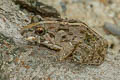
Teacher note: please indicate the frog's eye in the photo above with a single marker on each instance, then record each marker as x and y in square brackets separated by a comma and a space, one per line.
[40, 31]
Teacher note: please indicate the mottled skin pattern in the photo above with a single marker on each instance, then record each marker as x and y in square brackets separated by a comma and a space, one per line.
[71, 40]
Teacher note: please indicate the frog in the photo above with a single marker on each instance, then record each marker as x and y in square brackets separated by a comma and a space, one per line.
[71, 40]
[68, 38]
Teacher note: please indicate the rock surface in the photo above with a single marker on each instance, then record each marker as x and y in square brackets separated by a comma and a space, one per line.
[26, 63]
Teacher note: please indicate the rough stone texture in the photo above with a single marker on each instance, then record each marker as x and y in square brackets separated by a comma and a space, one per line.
[29, 64]
[11, 20]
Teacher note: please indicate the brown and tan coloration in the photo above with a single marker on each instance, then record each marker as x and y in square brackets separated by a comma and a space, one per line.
[70, 39]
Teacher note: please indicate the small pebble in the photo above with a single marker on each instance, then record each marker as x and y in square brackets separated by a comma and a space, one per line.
[117, 57]
[63, 6]
[112, 28]
[112, 41]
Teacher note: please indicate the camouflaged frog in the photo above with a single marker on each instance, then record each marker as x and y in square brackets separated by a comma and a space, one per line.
[70, 39]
